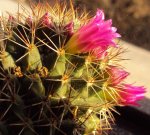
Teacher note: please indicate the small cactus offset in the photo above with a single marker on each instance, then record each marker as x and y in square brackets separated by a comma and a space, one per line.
[60, 73]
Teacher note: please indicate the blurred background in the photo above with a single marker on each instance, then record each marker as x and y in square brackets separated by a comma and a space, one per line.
[132, 18]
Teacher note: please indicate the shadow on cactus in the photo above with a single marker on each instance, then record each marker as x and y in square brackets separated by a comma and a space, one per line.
[60, 73]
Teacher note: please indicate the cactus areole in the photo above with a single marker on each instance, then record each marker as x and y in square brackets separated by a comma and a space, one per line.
[60, 72]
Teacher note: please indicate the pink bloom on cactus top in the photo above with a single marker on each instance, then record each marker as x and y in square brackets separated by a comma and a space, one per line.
[46, 19]
[97, 34]
[131, 94]
[128, 93]
[69, 27]
[29, 21]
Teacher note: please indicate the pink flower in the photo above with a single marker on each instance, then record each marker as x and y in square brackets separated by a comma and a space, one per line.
[117, 75]
[11, 18]
[69, 27]
[97, 34]
[29, 21]
[130, 94]
[46, 20]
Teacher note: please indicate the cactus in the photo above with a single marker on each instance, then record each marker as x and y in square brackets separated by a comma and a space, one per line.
[59, 73]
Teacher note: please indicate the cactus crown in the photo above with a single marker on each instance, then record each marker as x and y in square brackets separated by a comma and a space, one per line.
[52, 80]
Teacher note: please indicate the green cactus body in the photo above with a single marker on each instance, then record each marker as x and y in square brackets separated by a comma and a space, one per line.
[7, 61]
[33, 59]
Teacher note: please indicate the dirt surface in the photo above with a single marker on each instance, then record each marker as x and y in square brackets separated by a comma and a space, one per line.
[131, 17]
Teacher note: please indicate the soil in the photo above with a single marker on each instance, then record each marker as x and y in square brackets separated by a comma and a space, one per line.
[131, 17]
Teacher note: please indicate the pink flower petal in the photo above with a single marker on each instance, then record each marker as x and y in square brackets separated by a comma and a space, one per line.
[131, 94]
[117, 75]
[46, 19]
